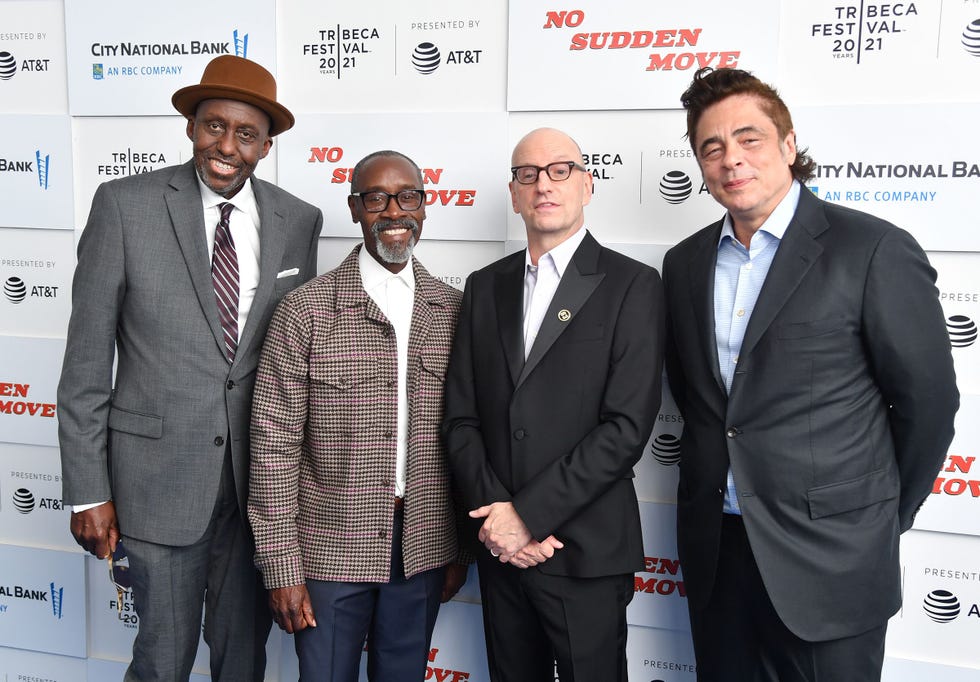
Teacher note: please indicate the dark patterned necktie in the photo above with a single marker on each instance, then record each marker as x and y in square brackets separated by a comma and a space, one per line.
[224, 273]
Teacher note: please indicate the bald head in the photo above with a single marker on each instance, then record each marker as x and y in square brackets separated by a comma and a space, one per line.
[549, 139]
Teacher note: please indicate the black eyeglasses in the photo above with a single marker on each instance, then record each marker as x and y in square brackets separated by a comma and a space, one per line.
[377, 201]
[557, 171]
[119, 573]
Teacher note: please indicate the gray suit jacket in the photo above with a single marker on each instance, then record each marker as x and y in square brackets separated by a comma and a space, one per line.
[838, 418]
[154, 441]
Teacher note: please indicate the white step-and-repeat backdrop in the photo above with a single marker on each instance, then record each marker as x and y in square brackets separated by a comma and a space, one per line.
[885, 94]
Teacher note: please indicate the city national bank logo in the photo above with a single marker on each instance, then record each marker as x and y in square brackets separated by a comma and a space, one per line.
[957, 482]
[13, 401]
[962, 331]
[41, 163]
[430, 176]
[16, 290]
[426, 58]
[663, 586]
[238, 45]
[677, 46]
[437, 674]
[970, 41]
[941, 606]
[864, 29]
[54, 596]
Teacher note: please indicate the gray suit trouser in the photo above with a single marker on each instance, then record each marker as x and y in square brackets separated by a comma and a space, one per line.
[170, 586]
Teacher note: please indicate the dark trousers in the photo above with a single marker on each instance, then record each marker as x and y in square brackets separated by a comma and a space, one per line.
[739, 635]
[533, 621]
[396, 618]
[172, 584]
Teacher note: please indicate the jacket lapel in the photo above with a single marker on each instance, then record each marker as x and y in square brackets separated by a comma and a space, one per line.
[577, 285]
[422, 315]
[509, 299]
[272, 243]
[187, 216]
[797, 253]
[701, 276]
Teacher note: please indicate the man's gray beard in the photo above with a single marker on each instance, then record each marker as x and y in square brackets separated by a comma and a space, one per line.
[394, 255]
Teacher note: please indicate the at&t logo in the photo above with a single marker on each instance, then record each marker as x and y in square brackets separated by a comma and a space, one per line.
[676, 187]
[15, 290]
[24, 500]
[962, 331]
[971, 39]
[666, 449]
[426, 58]
[8, 66]
[942, 606]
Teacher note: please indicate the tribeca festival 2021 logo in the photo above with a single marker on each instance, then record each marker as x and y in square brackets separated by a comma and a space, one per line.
[340, 49]
[676, 47]
[853, 31]
[238, 46]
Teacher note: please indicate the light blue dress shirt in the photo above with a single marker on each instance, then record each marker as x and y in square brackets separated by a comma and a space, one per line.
[739, 275]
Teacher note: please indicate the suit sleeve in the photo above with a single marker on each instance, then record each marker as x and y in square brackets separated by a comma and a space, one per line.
[85, 387]
[630, 404]
[309, 271]
[473, 476]
[910, 355]
[279, 408]
[672, 361]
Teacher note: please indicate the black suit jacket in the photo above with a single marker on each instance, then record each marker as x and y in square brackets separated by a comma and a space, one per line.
[558, 435]
[839, 415]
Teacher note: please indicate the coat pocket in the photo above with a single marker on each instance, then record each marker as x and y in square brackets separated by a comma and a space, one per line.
[136, 423]
[857, 493]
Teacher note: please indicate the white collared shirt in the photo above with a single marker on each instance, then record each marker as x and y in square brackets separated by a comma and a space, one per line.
[244, 224]
[394, 294]
[541, 282]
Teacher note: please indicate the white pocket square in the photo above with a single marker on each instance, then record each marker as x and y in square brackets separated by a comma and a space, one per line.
[288, 273]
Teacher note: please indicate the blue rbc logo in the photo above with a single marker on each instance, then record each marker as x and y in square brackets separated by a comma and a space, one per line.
[98, 73]
[42, 168]
[241, 44]
[57, 594]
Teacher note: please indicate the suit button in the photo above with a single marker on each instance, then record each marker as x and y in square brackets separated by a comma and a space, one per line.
[219, 441]
[392, 383]
[383, 534]
[731, 432]
[519, 434]
[230, 385]
[389, 434]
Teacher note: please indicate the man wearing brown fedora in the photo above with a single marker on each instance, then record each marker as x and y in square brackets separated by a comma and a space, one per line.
[178, 274]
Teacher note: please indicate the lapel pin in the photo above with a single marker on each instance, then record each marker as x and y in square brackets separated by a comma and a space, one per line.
[564, 315]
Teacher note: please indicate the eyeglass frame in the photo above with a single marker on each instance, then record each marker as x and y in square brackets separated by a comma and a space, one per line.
[418, 192]
[572, 165]
[120, 588]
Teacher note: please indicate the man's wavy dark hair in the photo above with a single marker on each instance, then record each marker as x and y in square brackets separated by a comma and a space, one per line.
[711, 86]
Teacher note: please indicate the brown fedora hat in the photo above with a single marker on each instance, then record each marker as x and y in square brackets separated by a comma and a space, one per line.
[230, 77]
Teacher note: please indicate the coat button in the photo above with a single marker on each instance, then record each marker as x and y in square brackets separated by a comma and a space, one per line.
[230, 385]
[731, 432]
[219, 441]
[382, 534]
[519, 434]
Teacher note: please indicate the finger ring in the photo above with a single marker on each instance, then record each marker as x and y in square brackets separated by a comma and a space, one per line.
[492, 553]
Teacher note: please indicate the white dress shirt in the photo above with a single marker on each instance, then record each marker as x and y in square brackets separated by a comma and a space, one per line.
[541, 282]
[395, 296]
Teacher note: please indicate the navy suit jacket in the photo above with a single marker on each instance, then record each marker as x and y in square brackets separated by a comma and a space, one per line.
[838, 418]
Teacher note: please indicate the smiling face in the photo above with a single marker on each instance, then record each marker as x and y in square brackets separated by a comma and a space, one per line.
[391, 235]
[744, 160]
[552, 211]
[230, 138]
